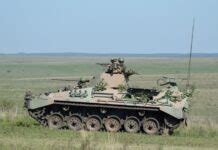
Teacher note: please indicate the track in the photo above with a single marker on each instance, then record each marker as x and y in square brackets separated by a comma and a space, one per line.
[99, 118]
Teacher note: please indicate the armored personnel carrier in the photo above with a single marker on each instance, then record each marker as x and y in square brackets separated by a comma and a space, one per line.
[111, 104]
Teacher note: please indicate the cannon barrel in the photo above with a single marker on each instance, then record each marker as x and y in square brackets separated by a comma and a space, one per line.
[103, 64]
[86, 79]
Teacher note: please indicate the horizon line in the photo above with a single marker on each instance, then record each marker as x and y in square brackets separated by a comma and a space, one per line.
[107, 53]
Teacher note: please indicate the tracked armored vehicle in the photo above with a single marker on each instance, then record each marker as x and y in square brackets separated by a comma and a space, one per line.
[111, 104]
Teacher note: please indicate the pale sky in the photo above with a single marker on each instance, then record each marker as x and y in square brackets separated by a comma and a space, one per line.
[108, 26]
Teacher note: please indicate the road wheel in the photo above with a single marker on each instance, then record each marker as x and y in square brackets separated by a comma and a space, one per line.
[112, 124]
[131, 125]
[75, 123]
[55, 121]
[150, 126]
[93, 124]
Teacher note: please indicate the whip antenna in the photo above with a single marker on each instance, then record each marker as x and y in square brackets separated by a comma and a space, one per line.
[190, 55]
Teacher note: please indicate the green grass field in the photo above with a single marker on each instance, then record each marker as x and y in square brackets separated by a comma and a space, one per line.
[21, 73]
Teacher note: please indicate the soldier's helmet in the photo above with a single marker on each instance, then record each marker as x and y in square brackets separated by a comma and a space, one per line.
[113, 60]
[82, 79]
[166, 81]
[121, 60]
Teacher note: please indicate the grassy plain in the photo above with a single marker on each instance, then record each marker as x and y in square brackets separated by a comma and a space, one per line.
[21, 73]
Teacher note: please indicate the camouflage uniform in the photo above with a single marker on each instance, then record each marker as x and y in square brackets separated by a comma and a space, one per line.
[171, 92]
[121, 65]
[111, 66]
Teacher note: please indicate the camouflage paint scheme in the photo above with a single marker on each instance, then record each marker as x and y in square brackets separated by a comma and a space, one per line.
[174, 109]
[170, 103]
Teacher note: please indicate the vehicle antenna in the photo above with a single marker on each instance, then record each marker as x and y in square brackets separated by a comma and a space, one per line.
[190, 56]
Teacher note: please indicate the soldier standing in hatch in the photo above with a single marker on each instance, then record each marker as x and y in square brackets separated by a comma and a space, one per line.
[112, 67]
[116, 67]
[171, 91]
[121, 67]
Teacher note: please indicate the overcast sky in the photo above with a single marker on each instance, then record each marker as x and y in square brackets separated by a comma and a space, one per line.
[104, 26]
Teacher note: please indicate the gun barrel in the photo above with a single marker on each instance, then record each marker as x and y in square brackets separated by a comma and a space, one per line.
[87, 79]
[65, 79]
[103, 64]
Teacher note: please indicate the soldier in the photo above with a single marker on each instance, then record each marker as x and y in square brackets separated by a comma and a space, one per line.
[171, 92]
[112, 68]
[82, 83]
[121, 66]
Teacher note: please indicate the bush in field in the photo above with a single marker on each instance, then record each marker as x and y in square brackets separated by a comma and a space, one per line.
[6, 105]
[8, 111]
[122, 88]
[25, 122]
